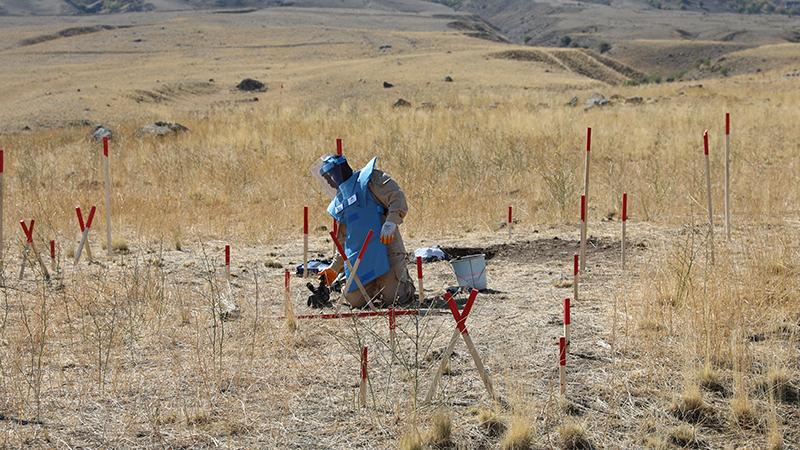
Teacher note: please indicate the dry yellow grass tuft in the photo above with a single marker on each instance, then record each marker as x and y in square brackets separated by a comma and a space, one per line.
[710, 379]
[411, 440]
[440, 433]
[518, 436]
[491, 421]
[691, 407]
[683, 436]
[572, 436]
[775, 437]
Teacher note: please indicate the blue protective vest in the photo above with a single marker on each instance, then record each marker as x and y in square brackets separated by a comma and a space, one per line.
[356, 208]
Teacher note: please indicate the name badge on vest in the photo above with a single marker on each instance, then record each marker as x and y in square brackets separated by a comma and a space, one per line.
[339, 208]
[352, 199]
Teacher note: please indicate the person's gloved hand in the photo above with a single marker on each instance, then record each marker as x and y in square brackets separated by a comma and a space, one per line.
[329, 275]
[387, 232]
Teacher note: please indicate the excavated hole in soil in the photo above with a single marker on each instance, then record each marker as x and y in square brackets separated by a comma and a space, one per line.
[536, 251]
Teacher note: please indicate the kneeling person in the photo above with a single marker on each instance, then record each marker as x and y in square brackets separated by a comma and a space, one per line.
[362, 201]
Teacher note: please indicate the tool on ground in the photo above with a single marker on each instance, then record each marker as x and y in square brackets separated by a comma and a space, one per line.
[320, 296]
[461, 329]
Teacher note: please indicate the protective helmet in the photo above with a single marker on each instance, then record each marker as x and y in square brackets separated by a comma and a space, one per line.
[331, 171]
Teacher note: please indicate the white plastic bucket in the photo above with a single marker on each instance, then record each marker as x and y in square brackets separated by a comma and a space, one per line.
[470, 271]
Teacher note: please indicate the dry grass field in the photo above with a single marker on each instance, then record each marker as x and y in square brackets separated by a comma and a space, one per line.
[133, 351]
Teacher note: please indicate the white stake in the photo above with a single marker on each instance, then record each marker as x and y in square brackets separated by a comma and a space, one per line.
[728, 176]
[2, 216]
[583, 233]
[624, 220]
[708, 195]
[421, 292]
[575, 276]
[228, 262]
[53, 256]
[562, 364]
[85, 228]
[107, 171]
[567, 321]
[305, 242]
[510, 222]
[28, 230]
[362, 388]
[585, 202]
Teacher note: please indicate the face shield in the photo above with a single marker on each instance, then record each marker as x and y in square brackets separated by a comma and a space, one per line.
[330, 171]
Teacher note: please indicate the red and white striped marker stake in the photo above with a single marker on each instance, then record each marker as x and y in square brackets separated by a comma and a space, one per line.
[53, 256]
[585, 201]
[562, 364]
[353, 268]
[510, 221]
[708, 194]
[305, 242]
[583, 233]
[339, 150]
[288, 308]
[567, 320]
[575, 276]
[728, 176]
[624, 221]
[228, 262]
[421, 293]
[107, 171]
[392, 331]
[461, 329]
[2, 189]
[85, 227]
[31, 246]
[362, 387]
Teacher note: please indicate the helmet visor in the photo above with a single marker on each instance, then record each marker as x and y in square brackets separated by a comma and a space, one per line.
[330, 171]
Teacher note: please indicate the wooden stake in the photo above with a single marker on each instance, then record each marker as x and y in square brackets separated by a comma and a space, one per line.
[421, 293]
[85, 227]
[583, 233]
[29, 243]
[228, 262]
[2, 216]
[624, 220]
[575, 276]
[562, 364]
[585, 202]
[708, 195]
[53, 256]
[510, 221]
[362, 389]
[461, 329]
[305, 242]
[392, 332]
[288, 308]
[107, 171]
[728, 176]
[567, 321]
